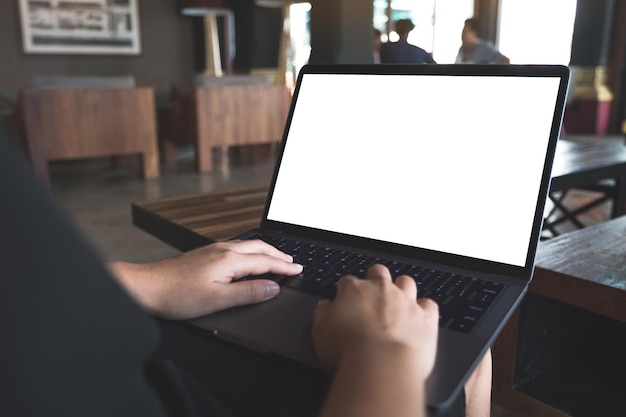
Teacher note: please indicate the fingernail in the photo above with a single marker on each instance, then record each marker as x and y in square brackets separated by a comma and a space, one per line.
[271, 289]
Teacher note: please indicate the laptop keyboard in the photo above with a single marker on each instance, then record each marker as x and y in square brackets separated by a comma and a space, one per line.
[462, 299]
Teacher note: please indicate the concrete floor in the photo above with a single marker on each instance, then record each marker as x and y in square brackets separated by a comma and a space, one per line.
[97, 197]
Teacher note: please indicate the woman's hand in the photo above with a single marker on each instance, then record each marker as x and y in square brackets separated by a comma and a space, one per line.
[202, 281]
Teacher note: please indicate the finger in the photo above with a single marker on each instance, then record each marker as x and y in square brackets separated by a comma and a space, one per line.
[257, 246]
[407, 285]
[243, 265]
[345, 280]
[430, 306]
[244, 292]
[378, 272]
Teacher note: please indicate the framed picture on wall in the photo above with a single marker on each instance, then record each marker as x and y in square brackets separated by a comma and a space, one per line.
[107, 27]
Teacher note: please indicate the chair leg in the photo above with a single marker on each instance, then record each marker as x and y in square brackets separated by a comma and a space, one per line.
[150, 165]
[204, 158]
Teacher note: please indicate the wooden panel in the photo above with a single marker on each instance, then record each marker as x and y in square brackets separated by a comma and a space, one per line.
[238, 115]
[503, 390]
[82, 123]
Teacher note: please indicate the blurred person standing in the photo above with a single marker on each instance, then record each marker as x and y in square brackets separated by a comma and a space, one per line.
[475, 50]
[402, 52]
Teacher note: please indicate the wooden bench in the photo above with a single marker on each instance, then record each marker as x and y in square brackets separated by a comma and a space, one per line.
[88, 122]
[223, 112]
[563, 353]
[238, 115]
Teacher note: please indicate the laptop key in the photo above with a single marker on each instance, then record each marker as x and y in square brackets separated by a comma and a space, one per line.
[461, 325]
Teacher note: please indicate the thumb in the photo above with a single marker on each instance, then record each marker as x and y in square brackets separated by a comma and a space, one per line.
[246, 292]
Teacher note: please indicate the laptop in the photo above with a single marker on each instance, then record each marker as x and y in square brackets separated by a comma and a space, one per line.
[439, 172]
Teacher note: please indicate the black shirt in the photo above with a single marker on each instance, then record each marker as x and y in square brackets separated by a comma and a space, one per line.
[402, 52]
[73, 342]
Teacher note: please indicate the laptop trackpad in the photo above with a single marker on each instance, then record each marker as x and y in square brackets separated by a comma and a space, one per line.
[281, 325]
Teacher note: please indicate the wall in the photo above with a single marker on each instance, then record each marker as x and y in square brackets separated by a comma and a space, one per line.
[167, 52]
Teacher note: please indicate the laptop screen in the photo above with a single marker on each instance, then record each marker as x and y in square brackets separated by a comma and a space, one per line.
[440, 162]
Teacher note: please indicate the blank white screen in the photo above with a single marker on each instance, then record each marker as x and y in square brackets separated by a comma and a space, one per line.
[447, 163]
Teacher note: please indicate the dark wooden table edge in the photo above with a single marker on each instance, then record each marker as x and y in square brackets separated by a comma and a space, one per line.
[587, 177]
[175, 235]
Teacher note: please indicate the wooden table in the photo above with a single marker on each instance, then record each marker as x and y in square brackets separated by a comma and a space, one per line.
[582, 163]
[580, 160]
[563, 351]
[195, 220]
[191, 221]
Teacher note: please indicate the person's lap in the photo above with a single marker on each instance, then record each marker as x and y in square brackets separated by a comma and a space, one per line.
[251, 384]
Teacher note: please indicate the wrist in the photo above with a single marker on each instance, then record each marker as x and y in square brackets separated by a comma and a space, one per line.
[389, 353]
[134, 278]
[378, 379]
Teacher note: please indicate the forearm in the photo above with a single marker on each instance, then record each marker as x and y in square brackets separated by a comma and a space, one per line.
[377, 382]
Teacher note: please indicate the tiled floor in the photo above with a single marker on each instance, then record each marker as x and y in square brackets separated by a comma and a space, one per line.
[97, 198]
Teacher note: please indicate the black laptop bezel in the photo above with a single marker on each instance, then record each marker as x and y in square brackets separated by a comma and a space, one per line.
[478, 265]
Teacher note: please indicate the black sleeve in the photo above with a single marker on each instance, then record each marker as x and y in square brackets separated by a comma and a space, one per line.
[73, 342]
